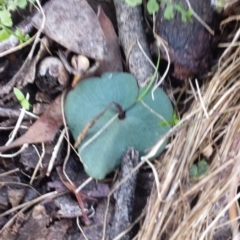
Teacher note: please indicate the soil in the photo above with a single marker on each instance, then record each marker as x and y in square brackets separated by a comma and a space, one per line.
[39, 200]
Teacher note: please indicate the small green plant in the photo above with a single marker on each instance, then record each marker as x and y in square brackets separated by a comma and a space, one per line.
[199, 169]
[218, 5]
[174, 121]
[6, 23]
[21, 98]
[170, 8]
[150, 84]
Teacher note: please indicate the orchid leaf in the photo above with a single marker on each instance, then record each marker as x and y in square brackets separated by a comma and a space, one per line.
[107, 140]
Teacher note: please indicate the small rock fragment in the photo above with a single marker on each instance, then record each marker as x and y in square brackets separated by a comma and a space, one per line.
[52, 77]
[15, 196]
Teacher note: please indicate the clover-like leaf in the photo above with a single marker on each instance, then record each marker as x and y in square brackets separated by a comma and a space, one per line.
[199, 169]
[5, 18]
[193, 171]
[111, 135]
[11, 6]
[203, 166]
[152, 6]
[133, 3]
[4, 35]
[186, 15]
[168, 12]
[21, 3]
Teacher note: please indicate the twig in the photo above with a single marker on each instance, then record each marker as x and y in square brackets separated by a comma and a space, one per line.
[125, 195]
[55, 152]
[81, 230]
[201, 100]
[83, 184]
[160, 42]
[67, 138]
[9, 172]
[27, 205]
[38, 164]
[199, 19]
[11, 113]
[130, 31]
[24, 146]
[14, 132]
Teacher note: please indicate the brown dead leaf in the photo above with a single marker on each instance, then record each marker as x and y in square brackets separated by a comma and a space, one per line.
[74, 25]
[44, 129]
[15, 196]
[112, 61]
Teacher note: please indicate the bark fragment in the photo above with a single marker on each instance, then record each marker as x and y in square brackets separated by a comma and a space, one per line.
[125, 196]
[130, 31]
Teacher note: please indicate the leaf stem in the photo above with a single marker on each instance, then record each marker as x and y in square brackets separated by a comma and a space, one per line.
[144, 93]
[121, 112]
[11, 32]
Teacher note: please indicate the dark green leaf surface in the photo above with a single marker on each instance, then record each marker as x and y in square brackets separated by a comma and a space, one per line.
[102, 150]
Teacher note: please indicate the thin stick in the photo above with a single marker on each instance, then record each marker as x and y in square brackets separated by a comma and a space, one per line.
[199, 19]
[67, 137]
[38, 164]
[214, 221]
[89, 125]
[55, 152]
[86, 182]
[24, 146]
[32, 202]
[9, 172]
[39, 31]
[81, 230]
[27, 205]
[161, 43]
[14, 132]
[201, 100]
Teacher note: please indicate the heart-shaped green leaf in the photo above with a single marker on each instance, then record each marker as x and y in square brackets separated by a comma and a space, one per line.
[106, 141]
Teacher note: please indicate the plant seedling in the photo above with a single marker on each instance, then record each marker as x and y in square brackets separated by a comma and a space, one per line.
[199, 169]
[108, 108]
[133, 3]
[170, 8]
[6, 23]
[21, 98]
[174, 121]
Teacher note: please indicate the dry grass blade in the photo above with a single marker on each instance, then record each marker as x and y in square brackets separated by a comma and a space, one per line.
[85, 130]
[190, 208]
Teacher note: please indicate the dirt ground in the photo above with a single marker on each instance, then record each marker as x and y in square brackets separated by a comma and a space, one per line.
[47, 192]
